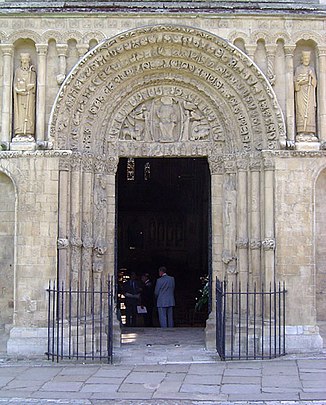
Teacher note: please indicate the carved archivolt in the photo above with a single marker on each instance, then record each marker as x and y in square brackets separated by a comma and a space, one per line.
[24, 34]
[166, 90]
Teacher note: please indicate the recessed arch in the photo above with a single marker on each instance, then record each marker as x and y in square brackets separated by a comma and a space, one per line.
[218, 86]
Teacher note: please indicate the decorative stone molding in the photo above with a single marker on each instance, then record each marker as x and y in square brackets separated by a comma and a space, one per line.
[62, 243]
[210, 85]
[268, 244]
[242, 243]
[230, 261]
[255, 244]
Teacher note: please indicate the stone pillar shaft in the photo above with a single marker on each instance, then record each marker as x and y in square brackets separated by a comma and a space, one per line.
[75, 226]
[268, 243]
[41, 50]
[255, 228]
[321, 102]
[290, 114]
[62, 55]
[7, 52]
[63, 225]
[242, 225]
[87, 227]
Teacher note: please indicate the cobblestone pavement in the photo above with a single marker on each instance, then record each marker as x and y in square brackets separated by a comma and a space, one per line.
[285, 381]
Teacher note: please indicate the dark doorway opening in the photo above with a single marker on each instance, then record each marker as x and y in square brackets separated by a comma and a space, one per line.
[163, 218]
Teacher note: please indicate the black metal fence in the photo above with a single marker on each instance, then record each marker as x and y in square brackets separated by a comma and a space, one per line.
[250, 324]
[80, 322]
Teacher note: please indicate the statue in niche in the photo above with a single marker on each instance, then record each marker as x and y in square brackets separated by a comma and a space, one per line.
[24, 99]
[305, 83]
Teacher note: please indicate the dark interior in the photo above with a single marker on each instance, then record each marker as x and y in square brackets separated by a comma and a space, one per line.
[163, 219]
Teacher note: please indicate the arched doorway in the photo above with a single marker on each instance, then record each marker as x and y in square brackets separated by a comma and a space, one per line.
[7, 232]
[166, 92]
[163, 219]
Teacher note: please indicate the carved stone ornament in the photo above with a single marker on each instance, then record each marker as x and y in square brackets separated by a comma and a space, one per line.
[242, 243]
[255, 244]
[269, 244]
[166, 91]
[62, 243]
[230, 261]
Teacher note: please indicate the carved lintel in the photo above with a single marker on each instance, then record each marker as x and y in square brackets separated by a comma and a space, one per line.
[269, 244]
[242, 243]
[62, 243]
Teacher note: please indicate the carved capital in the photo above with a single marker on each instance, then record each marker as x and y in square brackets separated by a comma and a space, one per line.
[242, 165]
[7, 49]
[216, 164]
[62, 243]
[289, 50]
[41, 49]
[255, 165]
[82, 49]
[62, 49]
[321, 51]
[230, 166]
[269, 244]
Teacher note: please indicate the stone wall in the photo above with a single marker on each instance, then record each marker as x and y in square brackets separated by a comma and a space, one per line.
[36, 200]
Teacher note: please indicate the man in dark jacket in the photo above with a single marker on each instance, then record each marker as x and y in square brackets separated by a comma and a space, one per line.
[131, 290]
[164, 293]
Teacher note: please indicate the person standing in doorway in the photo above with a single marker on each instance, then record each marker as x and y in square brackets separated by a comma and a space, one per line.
[131, 290]
[147, 299]
[164, 293]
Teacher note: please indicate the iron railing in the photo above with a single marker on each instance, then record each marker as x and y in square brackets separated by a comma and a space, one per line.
[80, 322]
[250, 324]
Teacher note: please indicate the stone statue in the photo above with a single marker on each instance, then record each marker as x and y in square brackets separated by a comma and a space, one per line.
[24, 99]
[305, 83]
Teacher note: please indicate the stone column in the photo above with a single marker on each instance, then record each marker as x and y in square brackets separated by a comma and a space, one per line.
[217, 245]
[6, 121]
[251, 49]
[290, 115]
[270, 52]
[63, 241]
[268, 244]
[321, 94]
[229, 255]
[41, 50]
[62, 50]
[242, 223]
[75, 222]
[255, 223]
[87, 221]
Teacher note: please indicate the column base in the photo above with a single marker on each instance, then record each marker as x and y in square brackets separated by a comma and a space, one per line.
[303, 339]
[27, 341]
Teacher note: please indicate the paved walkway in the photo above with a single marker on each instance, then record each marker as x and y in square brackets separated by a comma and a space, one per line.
[173, 378]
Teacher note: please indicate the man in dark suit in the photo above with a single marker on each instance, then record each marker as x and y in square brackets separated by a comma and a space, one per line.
[131, 290]
[164, 293]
